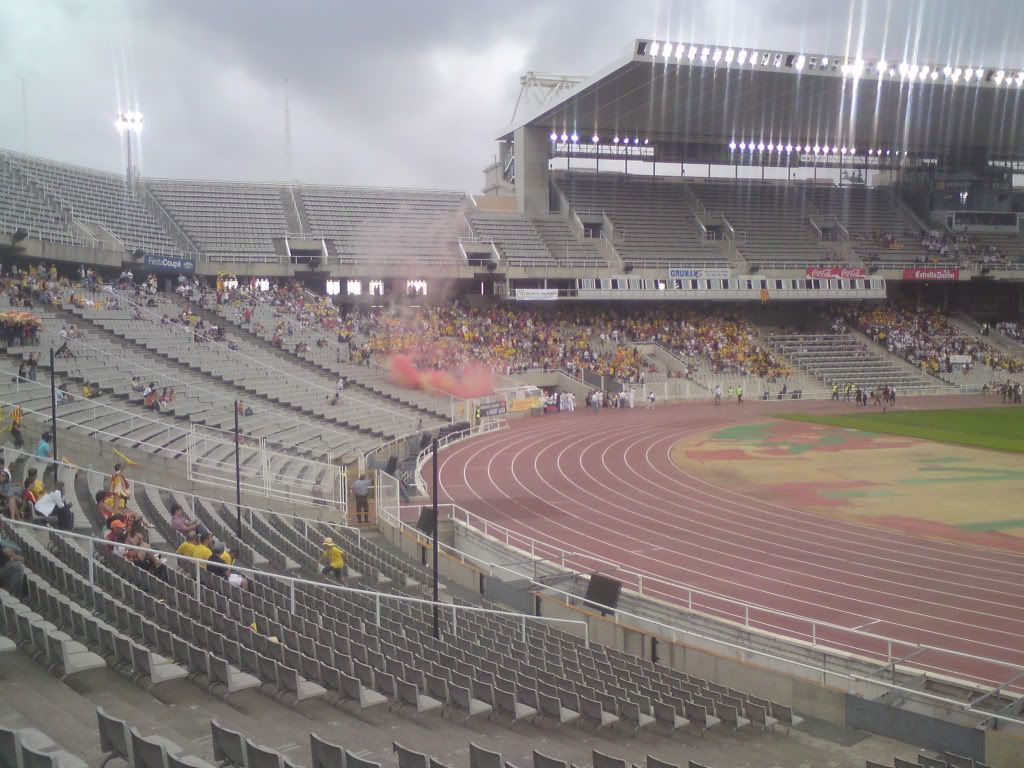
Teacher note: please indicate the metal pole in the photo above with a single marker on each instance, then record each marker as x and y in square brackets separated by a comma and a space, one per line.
[53, 413]
[437, 526]
[238, 477]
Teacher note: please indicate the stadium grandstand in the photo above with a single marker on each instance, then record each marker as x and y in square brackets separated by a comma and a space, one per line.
[293, 473]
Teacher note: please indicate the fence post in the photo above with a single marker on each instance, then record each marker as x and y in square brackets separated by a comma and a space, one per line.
[92, 570]
[455, 620]
[196, 564]
[640, 584]
[376, 607]
[523, 638]
[814, 633]
[888, 651]
[689, 599]
[746, 615]
[292, 595]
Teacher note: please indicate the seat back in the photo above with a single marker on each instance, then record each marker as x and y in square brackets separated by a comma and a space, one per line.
[324, 754]
[601, 760]
[407, 758]
[10, 746]
[351, 761]
[653, 762]
[32, 759]
[228, 745]
[145, 753]
[261, 757]
[543, 761]
[483, 758]
[113, 735]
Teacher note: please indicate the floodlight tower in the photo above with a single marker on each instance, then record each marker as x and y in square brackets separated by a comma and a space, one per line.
[129, 124]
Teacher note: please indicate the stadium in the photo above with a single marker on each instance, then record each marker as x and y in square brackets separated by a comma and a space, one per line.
[693, 439]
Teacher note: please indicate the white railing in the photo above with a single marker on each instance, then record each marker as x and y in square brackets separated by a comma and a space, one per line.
[752, 616]
[424, 456]
[293, 581]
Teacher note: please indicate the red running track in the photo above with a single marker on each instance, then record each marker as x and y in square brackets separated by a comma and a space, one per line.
[603, 486]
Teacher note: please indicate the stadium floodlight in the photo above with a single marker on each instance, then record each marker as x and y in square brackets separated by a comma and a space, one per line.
[853, 150]
[800, 61]
[553, 136]
[947, 70]
[595, 138]
[881, 68]
[771, 147]
[565, 137]
[717, 56]
[888, 152]
[636, 140]
[903, 69]
[705, 53]
[824, 61]
[914, 69]
[732, 146]
[655, 47]
[816, 148]
[692, 53]
[129, 121]
[934, 75]
[925, 70]
[842, 150]
[743, 146]
[1020, 79]
[789, 148]
[646, 142]
[835, 150]
[680, 50]
[575, 137]
[871, 151]
[760, 147]
[956, 74]
[1000, 74]
[753, 58]
[667, 50]
[730, 54]
[615, 140]
[741, 57]
[968, 74]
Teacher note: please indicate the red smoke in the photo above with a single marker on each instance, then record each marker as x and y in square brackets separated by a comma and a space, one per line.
[476, 380]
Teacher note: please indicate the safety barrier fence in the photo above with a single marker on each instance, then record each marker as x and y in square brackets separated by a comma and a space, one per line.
[96, 545]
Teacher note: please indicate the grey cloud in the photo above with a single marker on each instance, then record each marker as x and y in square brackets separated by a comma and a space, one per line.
[403, 93]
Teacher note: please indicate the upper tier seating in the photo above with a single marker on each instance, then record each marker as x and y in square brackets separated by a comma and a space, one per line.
[226, 221]
[654, 224]
[95, 197]
[518, 240]
[26, 206]
[770, 220]
[368, 225]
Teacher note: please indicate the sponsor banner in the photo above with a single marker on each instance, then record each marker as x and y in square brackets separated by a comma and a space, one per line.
[536, 294]
[960, 359]
[698, 273]
[485, 410]
[931, 273]
[831, 273]
[178, 264]
[524, 404]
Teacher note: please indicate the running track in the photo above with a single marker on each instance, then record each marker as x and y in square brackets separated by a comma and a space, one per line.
[604, 485]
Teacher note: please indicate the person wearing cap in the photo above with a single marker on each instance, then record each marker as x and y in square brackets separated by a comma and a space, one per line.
[116, 535]
[334, 560]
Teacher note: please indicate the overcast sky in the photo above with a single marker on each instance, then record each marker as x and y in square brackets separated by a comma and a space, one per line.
[389, 93]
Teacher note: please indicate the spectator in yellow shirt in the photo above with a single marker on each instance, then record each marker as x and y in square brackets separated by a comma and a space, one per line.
[334, 561]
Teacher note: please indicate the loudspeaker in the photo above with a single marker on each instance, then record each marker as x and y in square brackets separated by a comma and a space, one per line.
[314, 263]
[19, 235]
[392, 465]
[627, 267]
[755, 268]
[491, 266]
[603, 591]
[138, 254]
[427, 522]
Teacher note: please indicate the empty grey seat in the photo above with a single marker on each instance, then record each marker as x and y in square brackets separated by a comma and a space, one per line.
[409, 695]
[187, 761]
[351, 761]
[631, 713]
[114, 738]
[786, 716]
[483, 758]
[353, 690]
[233, 681]
[462, 699]
[324, 754]
[759, 716]
[552, 708]
[151, 751]
[228, 745]
[601, 760]
[665, 714]
[407, 758]
[257, 756]
[543, 761]
[506, 703]
[591, 711]
[653, 762]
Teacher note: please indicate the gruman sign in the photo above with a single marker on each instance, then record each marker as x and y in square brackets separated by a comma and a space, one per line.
[698, 273]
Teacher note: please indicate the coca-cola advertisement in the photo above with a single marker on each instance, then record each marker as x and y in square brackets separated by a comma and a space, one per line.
[931, 273]
[831, 273]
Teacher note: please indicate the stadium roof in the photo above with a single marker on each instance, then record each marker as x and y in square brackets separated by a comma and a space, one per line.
[713, 95]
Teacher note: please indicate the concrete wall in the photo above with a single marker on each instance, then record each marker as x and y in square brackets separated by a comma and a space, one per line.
[532, 174]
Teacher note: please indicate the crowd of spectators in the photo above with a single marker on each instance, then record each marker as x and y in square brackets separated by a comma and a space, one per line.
[1012, 329]
[927, 339]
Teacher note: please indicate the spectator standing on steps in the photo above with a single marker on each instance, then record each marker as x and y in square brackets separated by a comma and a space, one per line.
[361, 489]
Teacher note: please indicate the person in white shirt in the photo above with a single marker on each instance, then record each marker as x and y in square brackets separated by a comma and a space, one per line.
[50, 506]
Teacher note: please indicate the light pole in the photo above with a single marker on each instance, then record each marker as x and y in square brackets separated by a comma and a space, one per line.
[128, 123]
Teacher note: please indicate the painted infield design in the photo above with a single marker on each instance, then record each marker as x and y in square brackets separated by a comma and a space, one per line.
[918, 486]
